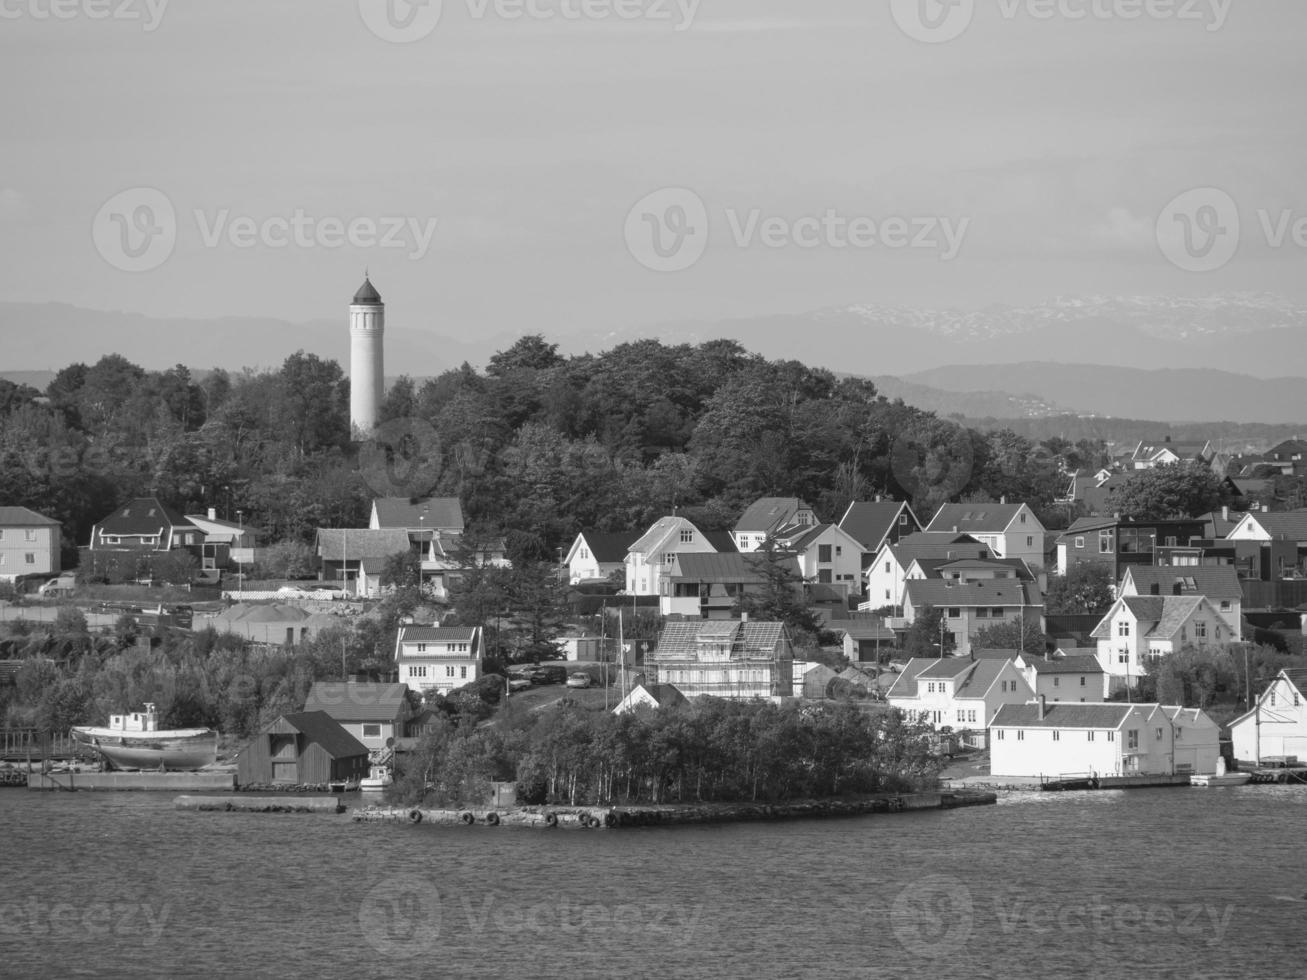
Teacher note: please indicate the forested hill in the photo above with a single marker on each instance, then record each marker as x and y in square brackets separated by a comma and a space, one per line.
[536, 445]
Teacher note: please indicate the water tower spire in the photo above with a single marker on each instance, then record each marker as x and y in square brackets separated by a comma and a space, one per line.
[367, 377]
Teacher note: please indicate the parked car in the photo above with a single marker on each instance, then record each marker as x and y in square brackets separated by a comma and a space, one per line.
[518, 683]
[552, 674]
[58, 586]
[578, 679]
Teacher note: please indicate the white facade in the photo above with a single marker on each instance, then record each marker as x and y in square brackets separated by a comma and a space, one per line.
[29, 550]
[886, 579]
[438, 660]
[1058, 681]
[651, 558]
[367, 375]
[831, 557]
[956, 692]
[1277, 727]
[1139, 627]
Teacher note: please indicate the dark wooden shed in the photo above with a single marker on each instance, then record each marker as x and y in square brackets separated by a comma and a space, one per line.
[308, 748]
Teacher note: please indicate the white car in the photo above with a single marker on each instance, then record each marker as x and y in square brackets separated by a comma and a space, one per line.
[578, 679]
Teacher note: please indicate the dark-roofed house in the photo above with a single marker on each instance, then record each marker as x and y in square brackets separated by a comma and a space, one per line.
[1285, 525]
[725, 659]
[1042, 739]
[652, 696]
[958, 693]
[145, 524]
[1078, 677]
[29, 544]
[650, 558]
[372, 713]
[353, 559]
[765, 517]
[969, 607]
[827, 555]
[709, 586]
[438, 659]
[416, 515]
[598, 555]
[1117, 544]
[865, 637]
[887, 575]
[1276, 729]
[876, 523]
[1288, 457]
[1139, 627]
[1219, 583]
[1010, 530]
[308, 748]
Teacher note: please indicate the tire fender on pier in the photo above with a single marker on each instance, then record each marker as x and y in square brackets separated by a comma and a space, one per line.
[492, 819]
[415, 816]
[468, 819]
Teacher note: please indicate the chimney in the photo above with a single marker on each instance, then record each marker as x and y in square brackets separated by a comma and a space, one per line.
[1225, 513]
[1177, 589]
[1043, 707]
[955, 529]
[213, 513]
[1003, 500]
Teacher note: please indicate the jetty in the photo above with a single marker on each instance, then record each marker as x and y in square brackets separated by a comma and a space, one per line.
[176, 782]
[260, 804]
[617, 817]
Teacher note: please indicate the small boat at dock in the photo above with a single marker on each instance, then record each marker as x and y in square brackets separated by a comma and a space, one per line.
[135, 741]
[1221, 777]
[377, 779]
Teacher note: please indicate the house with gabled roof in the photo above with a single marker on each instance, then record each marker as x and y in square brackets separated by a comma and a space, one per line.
[650, 558]
[887, 575]
[1116, 543]
[651, 696]
[444, 514]
[958, 693]
[1276, 729]
[1219, 583]
[1010, 530]
[969, 607]
[710, 586]
[372, 713]
[1052, 740]
[29, 544]
[1288, 457]
[765, 517]
[1137, 628]
[735, 659]
[1077, 677]
[1147, 456]
[1259, 525]
[598, 555]
[876, 523]
[357, 557]
[827, 555]
[438, 659]
[144, 524]
[305, 748]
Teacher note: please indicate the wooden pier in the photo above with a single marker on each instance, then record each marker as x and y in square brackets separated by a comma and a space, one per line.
[36, 745]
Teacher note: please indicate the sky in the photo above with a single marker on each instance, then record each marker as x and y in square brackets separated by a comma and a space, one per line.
[531, 165]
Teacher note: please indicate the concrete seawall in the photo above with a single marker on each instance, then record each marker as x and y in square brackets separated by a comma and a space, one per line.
[176, 782]
[261, 804]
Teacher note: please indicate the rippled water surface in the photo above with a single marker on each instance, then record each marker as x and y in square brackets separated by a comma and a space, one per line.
[1183, 883]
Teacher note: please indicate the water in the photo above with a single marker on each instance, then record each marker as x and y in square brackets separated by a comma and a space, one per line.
[1175, 883]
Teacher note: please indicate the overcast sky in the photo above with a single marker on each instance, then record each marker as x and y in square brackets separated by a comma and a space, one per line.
[1028, 157]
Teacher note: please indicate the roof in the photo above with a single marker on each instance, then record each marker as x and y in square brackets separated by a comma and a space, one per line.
[22, 517]
[870, 521]
[321, 728]
[432, 512]
[142, 516]
[437, 634]
[725, 569]
[609, 546]
[367, 294]
[991, 593]
[1167, 614]
[1286, 524]
[935, 567]
[863, 629]
[1213, 581]
[1064, 714]
[769, 513]
[972, 678]
[936, 544]
[749, 640]
[665, 695]
[985, 518]
[665, 527]
[351, 701]
[1077, 664]
[354, 544]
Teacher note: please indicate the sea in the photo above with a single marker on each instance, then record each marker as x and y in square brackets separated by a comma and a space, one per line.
[1171, 883]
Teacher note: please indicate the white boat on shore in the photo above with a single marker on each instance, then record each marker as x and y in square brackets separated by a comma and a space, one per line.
[1221, 777]
[377, 779]
[135, 741]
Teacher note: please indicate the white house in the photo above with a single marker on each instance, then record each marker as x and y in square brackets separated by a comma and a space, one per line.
[958, 692]
[1289, 525]
[969, 607]
[827, 555]
[29, 544]
[1052, 740]
[1010, 530]
[597, 555]
[1079, 677]
[765, 517]
[1138, 627]
[651, 696]
[438, 659]
[650, 558]
[372, 713]
[876, 523]
[737, 659]
[1219, 583]
[887, 574]
[709, 586]
[1276, 728]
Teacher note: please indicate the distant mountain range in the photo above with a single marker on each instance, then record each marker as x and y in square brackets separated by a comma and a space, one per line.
[1144, 357]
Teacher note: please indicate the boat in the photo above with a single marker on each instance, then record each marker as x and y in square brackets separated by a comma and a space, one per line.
[378, 778]
[135, 741]
[1220, 777]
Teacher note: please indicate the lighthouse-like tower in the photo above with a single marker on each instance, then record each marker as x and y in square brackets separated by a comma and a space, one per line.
[367, 378]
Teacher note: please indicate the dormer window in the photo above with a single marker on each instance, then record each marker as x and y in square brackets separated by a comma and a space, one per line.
[687, 537]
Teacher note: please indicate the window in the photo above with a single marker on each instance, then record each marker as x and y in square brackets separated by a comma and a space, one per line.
[1080, 541]
[1225, 605]
[1123, 657]
[1000, 734]
[1023, 517]
[372, 731]
[29, 535]
[1021, 734]
[887, 593]
[1111, 736]
[996, 612]
[1030, 540]
[982, 613]
[824, 553]
[1091, 736]
[462, 673]
[669, 558]
[1057, 736]
[30, 558]
[903, 520]
[1105, 542]
[687, 536]
[839, 550]
[962, 715]
[886, 568]
[1123, 628]
[422, 648]
[1082, 680]
[1200, 630]
[954, 612]
[584, 553]
[1057, 682]
[1157, 732]
[449, 671]
[1132, 738]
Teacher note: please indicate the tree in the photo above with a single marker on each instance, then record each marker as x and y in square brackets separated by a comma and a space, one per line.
[403, 570]
[1169, 492]
[1011, 635]
[1086, 590]
[927, 636]
[779, 598]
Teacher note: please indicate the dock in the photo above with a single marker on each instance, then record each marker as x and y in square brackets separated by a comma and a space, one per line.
[1278, 774]
[176, 782]
[260, 804]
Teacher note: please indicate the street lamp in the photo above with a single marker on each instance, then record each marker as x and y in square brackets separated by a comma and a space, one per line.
[240, 541]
